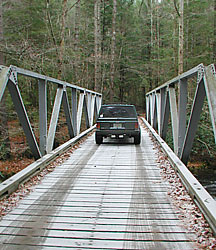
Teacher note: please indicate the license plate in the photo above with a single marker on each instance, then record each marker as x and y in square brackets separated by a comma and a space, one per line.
[117, 126]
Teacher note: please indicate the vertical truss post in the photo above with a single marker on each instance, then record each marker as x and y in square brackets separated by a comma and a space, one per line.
[174, 116]
[148, 109]
[98, 103]
[93, 98]
[162, 108]
[3, 80]
[42, 87]
[152, 99]
[182, 113]
[79, 113]
[67, 113]
[193, 121]
[74, 109]
[23, 117]
[158, 102]
[210, 86]
[89, 107]
[86, 111]
[165, 117]
[54, 119]
[155, 111]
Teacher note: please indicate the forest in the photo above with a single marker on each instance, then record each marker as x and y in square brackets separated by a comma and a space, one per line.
[122, 48]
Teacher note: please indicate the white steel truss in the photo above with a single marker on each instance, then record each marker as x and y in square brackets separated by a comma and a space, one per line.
[162, 102]
[89, 102]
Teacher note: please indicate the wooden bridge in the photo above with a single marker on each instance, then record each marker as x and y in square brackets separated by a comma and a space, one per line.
[111, 196]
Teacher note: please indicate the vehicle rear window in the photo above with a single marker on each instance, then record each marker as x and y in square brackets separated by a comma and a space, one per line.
[117, 111]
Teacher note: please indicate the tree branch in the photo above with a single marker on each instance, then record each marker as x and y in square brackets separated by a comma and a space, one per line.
[72, 6]
[141, 6]
[51, 28]
[176, 8]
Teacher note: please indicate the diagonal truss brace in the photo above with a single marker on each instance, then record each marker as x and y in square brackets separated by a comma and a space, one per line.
[159, 108]
[89, 102]
[23, 117]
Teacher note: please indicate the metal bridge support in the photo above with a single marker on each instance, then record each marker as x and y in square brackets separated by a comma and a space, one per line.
[89, 102]
[162, 102]
[42, 86]
[23, 117]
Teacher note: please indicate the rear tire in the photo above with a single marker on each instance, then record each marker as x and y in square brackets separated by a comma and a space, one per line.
[137, 139]
[98, 139]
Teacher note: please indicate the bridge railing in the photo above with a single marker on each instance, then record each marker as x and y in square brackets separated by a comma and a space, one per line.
[171, 99]
[88, 103]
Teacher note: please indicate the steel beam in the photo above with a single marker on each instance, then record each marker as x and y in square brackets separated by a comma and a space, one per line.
[3, 80]
[193, 121]
[154, 122]
[54, 119]
[93, 109]
[74, 109]
[42, 87]
[68, 114]
[165, 117]
[148, 108]
[80, 110]
[210, 87]
[182, 114]
[86, 111]
[23, 118]
[98, 103]
[200, 196]
[8, 76]
[190, 73]
[162, 108]
[158, 102]
[174, 116]
[152, 108]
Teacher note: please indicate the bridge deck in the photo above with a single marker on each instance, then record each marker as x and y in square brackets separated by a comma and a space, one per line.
[103, 197]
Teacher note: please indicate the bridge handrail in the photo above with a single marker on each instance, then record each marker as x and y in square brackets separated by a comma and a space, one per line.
[163, 100]
[200, 196]
[89, 102]
[11, 184]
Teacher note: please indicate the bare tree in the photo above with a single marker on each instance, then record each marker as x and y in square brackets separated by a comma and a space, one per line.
[76, 38]
[113, 47]
[180, 13]
[62, 45]
[214, 41]
[4, 135]
[97, 39]
[1, 32]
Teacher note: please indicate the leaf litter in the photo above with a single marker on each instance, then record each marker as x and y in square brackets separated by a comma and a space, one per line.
[191, 216]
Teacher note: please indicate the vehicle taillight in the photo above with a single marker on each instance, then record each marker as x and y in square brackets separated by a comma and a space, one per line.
[98, 125]
[136, 125]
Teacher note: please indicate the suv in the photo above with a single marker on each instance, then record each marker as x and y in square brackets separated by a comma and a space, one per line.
[117, 121]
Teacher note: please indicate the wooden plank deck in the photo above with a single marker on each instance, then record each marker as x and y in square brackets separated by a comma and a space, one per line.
[110, 196]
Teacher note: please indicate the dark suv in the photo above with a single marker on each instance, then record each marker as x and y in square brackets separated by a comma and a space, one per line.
[117, 121]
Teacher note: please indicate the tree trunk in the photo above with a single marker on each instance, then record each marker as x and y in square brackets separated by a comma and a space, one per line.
[76, 41]
[214, 41]
[1, 33]
[4, 135]
[113, 46]
[97, 39]
[181, 38]
[62, 46]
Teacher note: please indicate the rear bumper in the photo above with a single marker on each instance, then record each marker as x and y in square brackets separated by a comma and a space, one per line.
[117, 132]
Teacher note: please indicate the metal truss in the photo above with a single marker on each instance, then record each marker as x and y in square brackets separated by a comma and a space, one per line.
[171, 99]
[88, 103]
